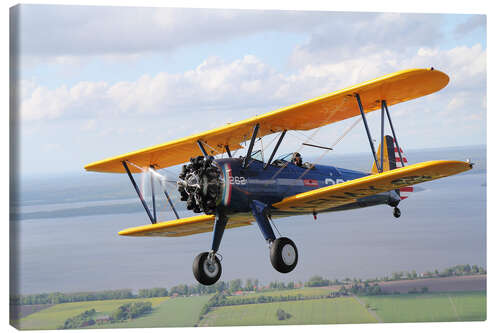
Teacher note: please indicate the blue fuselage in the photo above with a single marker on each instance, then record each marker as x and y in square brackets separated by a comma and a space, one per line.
[276, 182]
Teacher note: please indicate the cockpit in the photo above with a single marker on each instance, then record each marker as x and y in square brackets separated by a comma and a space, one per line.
[285, 159]
[294, 158]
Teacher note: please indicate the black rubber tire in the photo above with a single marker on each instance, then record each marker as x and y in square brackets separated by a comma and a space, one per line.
[201, 272]
[396, 212]
[277, 255]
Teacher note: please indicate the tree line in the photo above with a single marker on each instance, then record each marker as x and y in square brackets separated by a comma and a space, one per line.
[57, 297]
[131, 311]
[83, 319]
[232, 286]
[122, 313]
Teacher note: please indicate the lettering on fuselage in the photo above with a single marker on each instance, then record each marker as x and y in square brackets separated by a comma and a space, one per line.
[333, 182]
[237, 180]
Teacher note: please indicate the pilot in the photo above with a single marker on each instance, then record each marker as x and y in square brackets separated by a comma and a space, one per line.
[297, 159]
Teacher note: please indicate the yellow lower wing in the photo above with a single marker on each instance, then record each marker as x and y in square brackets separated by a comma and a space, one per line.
[317, 200]
[347, 192]
[183, 227]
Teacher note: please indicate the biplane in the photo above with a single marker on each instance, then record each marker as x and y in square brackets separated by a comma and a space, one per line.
[235, 191]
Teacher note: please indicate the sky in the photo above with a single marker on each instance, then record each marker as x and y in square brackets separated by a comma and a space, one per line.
[95, 81]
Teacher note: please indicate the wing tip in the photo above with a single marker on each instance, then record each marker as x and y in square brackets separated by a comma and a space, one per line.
[124, 232]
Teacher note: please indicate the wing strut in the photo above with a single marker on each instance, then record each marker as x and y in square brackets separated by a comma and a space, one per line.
[250, 146]
[200, 144]
[138, 192]
[382, 137]
[153, 194]
[171, 204]
[228, 151]
[384, 106]
[275, 149]
[367, 131]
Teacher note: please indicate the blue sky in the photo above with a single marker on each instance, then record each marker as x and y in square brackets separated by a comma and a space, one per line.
[100, 81]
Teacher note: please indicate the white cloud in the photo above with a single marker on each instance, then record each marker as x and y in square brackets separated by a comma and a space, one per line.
[340, 49]
[82, 100]
[90, 30]
[363, 34]
[249, 83]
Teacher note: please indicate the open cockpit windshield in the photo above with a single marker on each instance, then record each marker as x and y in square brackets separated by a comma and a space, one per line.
[285, 157]
[258, 155]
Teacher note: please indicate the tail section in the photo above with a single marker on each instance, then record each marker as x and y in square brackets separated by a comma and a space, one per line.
[392, 160]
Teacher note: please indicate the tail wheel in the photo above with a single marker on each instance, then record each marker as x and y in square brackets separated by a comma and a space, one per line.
[207, 269]
[396, 212]
[284, 255]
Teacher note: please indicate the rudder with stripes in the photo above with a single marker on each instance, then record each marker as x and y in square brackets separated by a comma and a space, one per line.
[391, 160]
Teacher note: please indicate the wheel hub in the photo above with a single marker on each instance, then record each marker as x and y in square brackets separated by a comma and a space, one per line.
[288, 254]
[210, 268]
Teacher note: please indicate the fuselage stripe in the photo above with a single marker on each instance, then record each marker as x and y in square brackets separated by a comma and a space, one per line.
[227, 185]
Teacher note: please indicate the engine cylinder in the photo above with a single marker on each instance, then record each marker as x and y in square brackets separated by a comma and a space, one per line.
[201, 184]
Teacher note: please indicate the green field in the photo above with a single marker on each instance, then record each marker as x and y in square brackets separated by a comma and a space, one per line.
[55, 316]
[456, 306]
[320, 311]
[184, 311]
[293, 292]
[175, 312]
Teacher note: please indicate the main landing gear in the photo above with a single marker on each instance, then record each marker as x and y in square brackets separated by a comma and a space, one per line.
[283, 252]
[394, 200]
[396, 212]
[284, 255]
[207, 268]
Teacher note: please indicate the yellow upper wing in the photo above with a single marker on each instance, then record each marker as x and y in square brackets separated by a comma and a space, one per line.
[394, 88]
[347, 192]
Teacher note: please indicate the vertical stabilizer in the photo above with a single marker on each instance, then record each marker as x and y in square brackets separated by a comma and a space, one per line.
[391, 160]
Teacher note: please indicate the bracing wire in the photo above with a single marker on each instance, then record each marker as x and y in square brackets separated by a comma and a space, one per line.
[215, 150]
[275, 227]
[333, 145]
[262, 149]
[331, 114]
[297, 150]
[265, 147]
[306, 137]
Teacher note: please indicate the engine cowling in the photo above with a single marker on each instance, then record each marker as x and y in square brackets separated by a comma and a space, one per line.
[201, 184]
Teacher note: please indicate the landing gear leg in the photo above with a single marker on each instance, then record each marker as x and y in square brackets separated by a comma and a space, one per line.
[283, 252]
[207, 268]
[394, 200]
